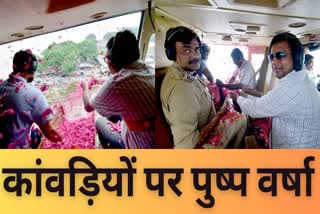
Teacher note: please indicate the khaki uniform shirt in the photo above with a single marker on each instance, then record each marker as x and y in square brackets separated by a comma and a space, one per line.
[187, 105]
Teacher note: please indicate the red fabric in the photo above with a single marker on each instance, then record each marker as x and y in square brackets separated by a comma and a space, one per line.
[260, 128]
[263, 123]
[219, 95]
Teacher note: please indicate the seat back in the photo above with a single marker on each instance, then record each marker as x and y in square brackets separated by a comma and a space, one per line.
[163, 135]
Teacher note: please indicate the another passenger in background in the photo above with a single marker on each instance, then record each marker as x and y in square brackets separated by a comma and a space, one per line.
[129, 93]
[203, 70]
[308, 62]
[244, 72]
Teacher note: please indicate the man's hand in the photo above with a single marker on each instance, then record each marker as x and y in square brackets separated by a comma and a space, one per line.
[219, 83]
[50, 132]
[232, 79]
[243, 94]
[84, 85]
[86, 97]
[234, 96]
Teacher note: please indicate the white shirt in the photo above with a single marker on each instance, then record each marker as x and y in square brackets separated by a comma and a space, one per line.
[246, 74]
[294, 105]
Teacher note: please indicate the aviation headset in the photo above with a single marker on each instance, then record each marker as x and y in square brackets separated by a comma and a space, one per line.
[25, 60]
[296, 48]
[171, 39]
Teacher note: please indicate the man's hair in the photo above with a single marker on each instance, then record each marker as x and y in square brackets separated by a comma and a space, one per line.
[178, 34]
[295, 45]
[237, 54]
[204, 49]
[123, 49]
[307, 58]
[24, 60]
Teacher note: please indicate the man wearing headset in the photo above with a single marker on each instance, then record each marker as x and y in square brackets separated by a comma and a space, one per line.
[294, 104]
[129, 93]
[21, 105]
[186, 101]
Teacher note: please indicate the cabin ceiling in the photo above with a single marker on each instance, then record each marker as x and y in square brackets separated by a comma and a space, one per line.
[254, 22]
[16, 15]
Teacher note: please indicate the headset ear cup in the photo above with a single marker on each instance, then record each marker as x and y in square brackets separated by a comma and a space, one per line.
[169, 45]
[168, 50]
[171, 53]
[298, 53]
[298, 58]
[301, 58]
[168, 54]
[112, 49]
[34, 66]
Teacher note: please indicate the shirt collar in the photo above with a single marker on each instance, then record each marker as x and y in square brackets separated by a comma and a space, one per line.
[243, 64]
[136, 65]
[17, 77]
[293, 75]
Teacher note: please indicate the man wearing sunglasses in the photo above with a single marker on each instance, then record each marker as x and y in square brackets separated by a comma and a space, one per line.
[294, 103]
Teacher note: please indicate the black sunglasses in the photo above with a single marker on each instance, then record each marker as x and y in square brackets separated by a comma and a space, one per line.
[278, 55]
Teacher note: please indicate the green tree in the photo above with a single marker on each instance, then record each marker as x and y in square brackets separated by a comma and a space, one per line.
[64, 57]
[61, 57]
[88, 49]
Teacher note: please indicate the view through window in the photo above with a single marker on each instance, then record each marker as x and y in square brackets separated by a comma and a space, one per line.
[220, 62]
[66, 58]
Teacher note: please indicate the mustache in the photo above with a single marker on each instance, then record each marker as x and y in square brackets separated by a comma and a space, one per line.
[194, 61]
[275, 67]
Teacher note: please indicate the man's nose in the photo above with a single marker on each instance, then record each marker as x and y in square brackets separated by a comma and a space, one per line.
[196, 54]
[275, 61]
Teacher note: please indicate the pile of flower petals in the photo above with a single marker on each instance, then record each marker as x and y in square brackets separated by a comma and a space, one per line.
[77, 134]
[44, 87]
